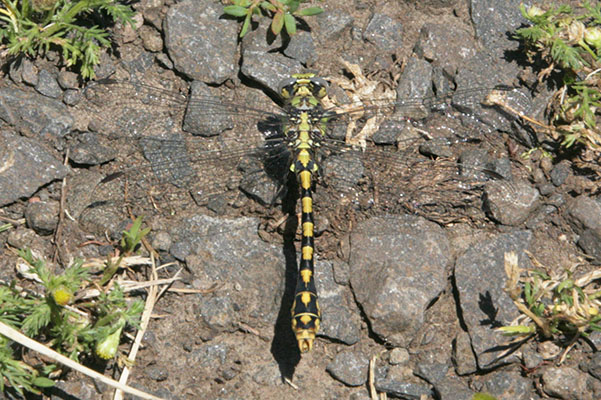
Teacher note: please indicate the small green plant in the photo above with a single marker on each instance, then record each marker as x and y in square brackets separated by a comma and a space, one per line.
[282, 13]
[552, 304]
[35, 26]
[71, 327]
[129, 243]
[569, 43]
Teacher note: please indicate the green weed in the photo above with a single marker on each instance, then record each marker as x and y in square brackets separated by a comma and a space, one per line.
[37, 26]
[569, 43]
[282, 13]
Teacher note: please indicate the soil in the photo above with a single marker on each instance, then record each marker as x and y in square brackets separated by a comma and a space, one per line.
[231, 338]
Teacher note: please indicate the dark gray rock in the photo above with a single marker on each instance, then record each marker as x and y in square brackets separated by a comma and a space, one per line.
[218, 313]
[338, 308]
[71, 97]
[261, 39]
[480, 279]
[230, 251]
[68, 80]
[453, 388]
[34, 114]
[560, 173]
[197, 120]
[398, 262]
[510, 203]
[88, 150]
[432, 372]
[161, 241]
[495, 21]
[593, 365]
[23, 238]
[25, 166]
[398, 355]
[268, 69]
[151, 38]
[404, 390]
[463, 355]
[29, 72]
[48, 85]
[201, 44]
[350, 368]
[415, 83]
[508, 385]
[531, 358]
[474, 83]
[77, 388]
[342, 171]
[301, 48]
[446, 46]
[584, 215]
[565, 383]
[42, 216]
[14, 71]
[332, 24]
[106, 67]
[384, 32]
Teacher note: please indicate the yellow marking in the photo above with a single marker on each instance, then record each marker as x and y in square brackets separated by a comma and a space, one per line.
[304, 157]
[307, 253]
[307, 204]
[316, 324]
[304, 124]
[305, 179]
[293, 324]
[306, 275]
[305, 319]
[308, 229]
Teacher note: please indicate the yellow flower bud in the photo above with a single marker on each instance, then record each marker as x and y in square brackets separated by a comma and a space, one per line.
[62, 296]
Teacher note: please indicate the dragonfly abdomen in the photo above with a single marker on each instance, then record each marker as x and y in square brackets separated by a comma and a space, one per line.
[306, 314]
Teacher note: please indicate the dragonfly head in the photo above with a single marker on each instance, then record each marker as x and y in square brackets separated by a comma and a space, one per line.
[303, 90]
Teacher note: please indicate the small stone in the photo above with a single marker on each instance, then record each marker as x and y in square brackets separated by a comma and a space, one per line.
[301, 48]
[42, 216]
[384, 32]
[399, 355]
[560, 173]
[88, 150]
[161, 241]
[71, 97]
[565, 383]
[510, 203]
[47, 85]
[68, 80]
[29, 72]
[349, 368]
[151, 38]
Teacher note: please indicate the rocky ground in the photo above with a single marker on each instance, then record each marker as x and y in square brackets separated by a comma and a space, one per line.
[422, 296]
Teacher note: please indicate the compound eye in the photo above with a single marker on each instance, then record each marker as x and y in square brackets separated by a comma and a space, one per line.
[286, 87]
[320, 87]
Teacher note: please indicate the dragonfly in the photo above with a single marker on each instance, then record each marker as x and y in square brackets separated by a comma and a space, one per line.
[406, 166]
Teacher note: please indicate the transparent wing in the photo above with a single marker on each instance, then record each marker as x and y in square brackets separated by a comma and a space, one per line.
[241, 147]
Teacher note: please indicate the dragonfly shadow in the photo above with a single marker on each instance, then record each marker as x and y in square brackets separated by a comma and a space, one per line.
[284, 347]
